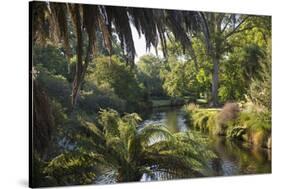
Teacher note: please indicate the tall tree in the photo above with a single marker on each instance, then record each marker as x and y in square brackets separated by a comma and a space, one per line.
[221, 27]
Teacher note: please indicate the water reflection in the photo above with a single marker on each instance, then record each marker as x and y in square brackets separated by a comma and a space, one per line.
[233, 158]
[172, 118]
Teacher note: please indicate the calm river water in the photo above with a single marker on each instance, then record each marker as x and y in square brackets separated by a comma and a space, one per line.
[234, 158]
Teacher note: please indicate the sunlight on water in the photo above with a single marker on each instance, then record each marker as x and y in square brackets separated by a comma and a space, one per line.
[233, 158]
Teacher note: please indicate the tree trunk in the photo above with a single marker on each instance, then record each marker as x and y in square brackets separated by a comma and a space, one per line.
[215, 82]
[79, 51]
[43, 120]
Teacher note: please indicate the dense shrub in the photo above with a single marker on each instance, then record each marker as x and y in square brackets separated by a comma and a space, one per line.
[93, 103]
[248, 124]
[114, 85]
[56, 86]
[257, 127]
[260, 88]
[203, 119]
[148, 75]
[228, 113]
[53, 59]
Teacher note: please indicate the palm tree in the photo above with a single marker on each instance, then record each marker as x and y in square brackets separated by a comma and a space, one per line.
[53, 21]
[117, 143]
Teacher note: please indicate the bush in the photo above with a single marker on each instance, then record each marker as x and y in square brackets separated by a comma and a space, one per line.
[93, 103]
[260, 87]
[115, 86]
[228, 114]
[191, 107]
[248, 125]
[258, 127]
[55, 85]
[203, 119]
[53, 59]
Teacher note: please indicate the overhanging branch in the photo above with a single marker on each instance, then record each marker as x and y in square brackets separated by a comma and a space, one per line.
[236, 28]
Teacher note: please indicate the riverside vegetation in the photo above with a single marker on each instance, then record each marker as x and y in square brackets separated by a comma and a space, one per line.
[246, 124]
[91, 97]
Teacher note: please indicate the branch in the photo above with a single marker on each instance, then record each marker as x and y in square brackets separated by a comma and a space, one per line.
[206, 31]
[238, 31]
[236, 28]
[225, 26]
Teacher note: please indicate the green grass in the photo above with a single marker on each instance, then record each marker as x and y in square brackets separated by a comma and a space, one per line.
[160, 103]
[204, 119]
[201, 101]
[166, 101]
[251, 127]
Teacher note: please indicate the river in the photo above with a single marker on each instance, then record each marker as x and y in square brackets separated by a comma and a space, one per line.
[233, 158]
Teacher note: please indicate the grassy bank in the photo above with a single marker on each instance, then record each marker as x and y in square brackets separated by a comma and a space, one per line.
[245, 124]
[165, 102]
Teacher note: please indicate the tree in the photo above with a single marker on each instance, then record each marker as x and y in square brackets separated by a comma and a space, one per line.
[222, 27]
[148, 74]
[260, 87]
[244, 58]
[87, 19]
[116, 75]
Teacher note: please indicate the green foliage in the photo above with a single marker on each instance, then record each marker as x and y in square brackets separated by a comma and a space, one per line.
[202, 119]
[256, 120]
[83, 144]
[241, 66]
[253, 127]
[205, 120]
[117, 75]
[180, 75]
[250, 125]
[94, 101]
[53, 59]
[260, 87]
[39, 177]
[55, 85]
[73, 168]
[112, 75]
[148, 74]
[117, 143]
[233, 84]
[179, 78]
[237, 132]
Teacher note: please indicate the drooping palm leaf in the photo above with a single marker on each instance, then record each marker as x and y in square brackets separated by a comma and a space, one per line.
[52, 18]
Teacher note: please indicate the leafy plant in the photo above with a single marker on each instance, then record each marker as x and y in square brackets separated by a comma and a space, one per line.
[118, 144]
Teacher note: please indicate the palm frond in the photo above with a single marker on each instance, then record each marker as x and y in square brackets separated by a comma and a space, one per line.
[154, 133]
[64, 167]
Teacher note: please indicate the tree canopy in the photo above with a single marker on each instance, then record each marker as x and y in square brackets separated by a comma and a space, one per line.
[54, 21]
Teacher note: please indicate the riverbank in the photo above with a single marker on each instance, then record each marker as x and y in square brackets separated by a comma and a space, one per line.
[245, 125]
[168, 102]
[233, 157]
